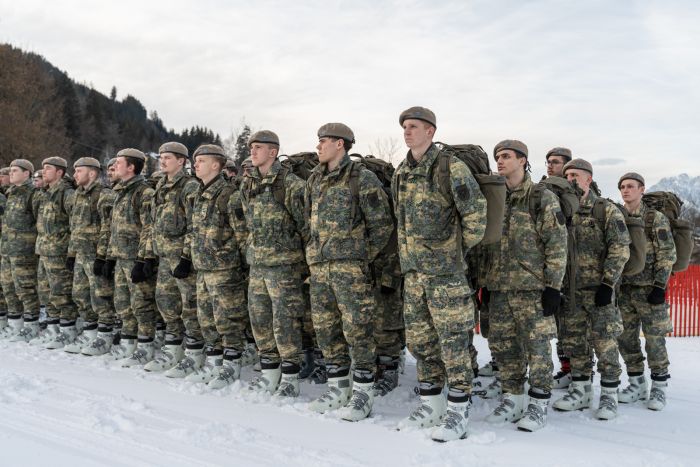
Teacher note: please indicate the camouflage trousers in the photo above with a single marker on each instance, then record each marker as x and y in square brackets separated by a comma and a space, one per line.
[92, 308]
[134, 303]
[277, 304]
[588, 328]
[653, 320]
[389, 329]
[18, 277]
[222, 309]
[62, 308]
[343, 310]
[439, 314]
[43, 289]
[308, 334]
[177, 301]
[520, 337]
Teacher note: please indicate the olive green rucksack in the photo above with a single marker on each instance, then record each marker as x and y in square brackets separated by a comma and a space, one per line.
[669, 204]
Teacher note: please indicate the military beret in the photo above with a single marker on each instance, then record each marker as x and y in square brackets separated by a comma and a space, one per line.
[264, 136]
[111, 162]
[230, 164]
[174, 147]
[513, 145]
[87, 162]
[131, 152]
[337, 130]
[38, 174]
[22, 164]
[631, 176]
[579, 164]
[247, 163]
[563, 152]
[157, 174]
[210, 150]
[418, 113]
[55, 161]
[5, 171]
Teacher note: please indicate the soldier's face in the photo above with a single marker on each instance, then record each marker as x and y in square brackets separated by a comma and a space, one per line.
[329, 149]
[582, 177]
[112, 173]
[417, 133]
[4, 180]
[262, 154]
[206, 167]
[631, 191]
[82, 176]
[18, 175]
[170, 164]
[49, 173]
[122, 168]
[508, 162]
[555, 166]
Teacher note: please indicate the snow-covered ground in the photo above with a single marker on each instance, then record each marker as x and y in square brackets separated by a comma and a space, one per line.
[58, 409]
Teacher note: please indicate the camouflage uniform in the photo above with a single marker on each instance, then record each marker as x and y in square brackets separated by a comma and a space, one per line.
[216, 255]
[3, 303]
[532, 256]
[131, 240]
[434, 237]
[339, 254]
[389, 333]
[53, 235]
[602, 255]
[275, 251]
[104, 286]
[176, 298]
[637, 311]
[43, 290]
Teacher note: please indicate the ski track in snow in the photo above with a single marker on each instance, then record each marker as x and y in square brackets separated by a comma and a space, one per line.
[60, 409]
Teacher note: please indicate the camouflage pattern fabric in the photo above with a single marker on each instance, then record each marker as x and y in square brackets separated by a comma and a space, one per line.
[221, 309]
[105, 205]
[53, 220]
[134, 302]
[61, 290]
[19, 285]
[43, 291]
[177, 301]
[92, 308]
[389, 328]
[3, 205]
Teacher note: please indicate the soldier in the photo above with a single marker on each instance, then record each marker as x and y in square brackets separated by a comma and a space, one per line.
[231, 173]
[217, 256]
[556, 158]
[3, 303]
[642, 302]
[435, 234]
[19, 263]
[38, 180]
[176, 287]
[130, 258]
[4, 179]
[525, 286]
[43, 289]
[349, 224]
[602, 243]
[273, 203]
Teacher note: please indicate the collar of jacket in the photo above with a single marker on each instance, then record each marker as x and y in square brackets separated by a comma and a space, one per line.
[26, 184]
[344, 162]
[589, 199]
[89, 187]
[521, 190]
[123, 186]
[61, 185]
[214, 186]
[426, 161]
[271, 174]
[165, 182]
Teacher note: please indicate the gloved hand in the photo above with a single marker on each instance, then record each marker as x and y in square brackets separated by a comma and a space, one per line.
[182, 269]
[657, 296]
[603, 296]
[150, 267]
[386, 290]
[551, 299]
[70, 263]
[108, 269]
[137, 273]
[98, 266]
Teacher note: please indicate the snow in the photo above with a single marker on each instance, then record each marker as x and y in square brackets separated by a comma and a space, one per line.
[60, 409]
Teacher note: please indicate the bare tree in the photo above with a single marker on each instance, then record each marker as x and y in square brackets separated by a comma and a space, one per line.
[385, 148]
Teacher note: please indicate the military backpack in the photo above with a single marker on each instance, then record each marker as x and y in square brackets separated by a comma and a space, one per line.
[669, 204]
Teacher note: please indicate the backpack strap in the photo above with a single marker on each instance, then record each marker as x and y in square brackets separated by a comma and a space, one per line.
[279, 190]
[536, 201]
[443, 166]
[599, 214]
[354, 183]
[649, 218]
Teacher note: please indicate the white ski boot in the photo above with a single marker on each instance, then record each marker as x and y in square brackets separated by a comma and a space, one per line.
[562, 380]
[230, 372]
[170, 355]
[535, 417]
[454, 423]
[82, 341]
[577, 398]
[267, 381]
[607, 405]
[123, 350]
[46, 336]
[336, 396]
[14, 326]
[28, 332]
[192, 361]
[493, 390]
[289, 385]
[636, 390]
[429, 413]
[142, 355]
[208, 371]
[249, 355]
[3, 324]
[360, 404]
[159, 339]
[389, 376]
[100, 345]
[510, 409]
[490, 369]
[657, 395]
[65, 337]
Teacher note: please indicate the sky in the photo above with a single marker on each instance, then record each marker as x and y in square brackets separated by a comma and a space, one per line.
[615, 81]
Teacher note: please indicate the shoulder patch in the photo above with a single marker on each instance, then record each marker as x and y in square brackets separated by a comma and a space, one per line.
[621, 226]
[560, 217]
[462, 192]
[663, 235]
[239, 213]
[373, 200]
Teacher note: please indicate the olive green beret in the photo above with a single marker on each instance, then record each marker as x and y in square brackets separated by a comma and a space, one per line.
[5, 171]
[87, 162]
[563, 152]
[174, 147]
[513, 145]
[111, 162]
[55, 161]
[264, 136]
[631, 176]
[23, 164]
[38, 174]
[210, 150]
[231, 164]
[579, 164]
[336, 130]
[418, 113]
[131, 152]
[247, 163]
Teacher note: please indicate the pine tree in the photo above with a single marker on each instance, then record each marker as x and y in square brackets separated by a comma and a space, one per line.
[241, 146]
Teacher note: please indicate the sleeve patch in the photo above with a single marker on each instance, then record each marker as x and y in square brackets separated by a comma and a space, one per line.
[560, 217]
[621, 226]
[663, 235]
[373, 200]
[462, 192]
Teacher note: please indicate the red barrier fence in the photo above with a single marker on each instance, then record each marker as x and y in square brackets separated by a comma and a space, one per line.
[684, 297]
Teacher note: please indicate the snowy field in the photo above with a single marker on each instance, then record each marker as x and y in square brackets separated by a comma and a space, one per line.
[58, 409]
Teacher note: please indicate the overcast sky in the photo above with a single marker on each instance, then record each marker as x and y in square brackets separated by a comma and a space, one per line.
[616, 81]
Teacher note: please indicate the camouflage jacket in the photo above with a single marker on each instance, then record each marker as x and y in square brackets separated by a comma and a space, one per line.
[85, 220]
[661, 250]
[3, 206]
[434, 233]
[105, 204]
[172, 214]
[218, 227]
[532, 252]
[130, 233]
[19, 221]
[602, 250]
[333, 233]
[53, 221]
[276, 233]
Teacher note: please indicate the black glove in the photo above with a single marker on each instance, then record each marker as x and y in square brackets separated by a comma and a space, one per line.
[137, 273]
[182, 269]
[386, 290]
[108, 269]
[485, 296]
[603, 296]
[98, 266]
[657, 296]
[150, 267]
[551, 299]
[70, 263]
